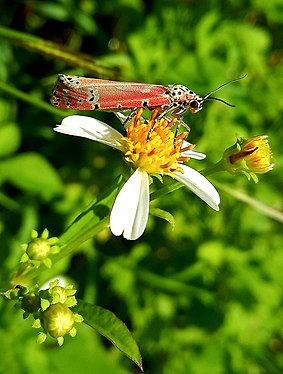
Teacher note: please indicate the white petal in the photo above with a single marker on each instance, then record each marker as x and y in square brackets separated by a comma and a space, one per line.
[193, 153]
[121, 116]
[199, 185]
[91, 128]
[129, 214]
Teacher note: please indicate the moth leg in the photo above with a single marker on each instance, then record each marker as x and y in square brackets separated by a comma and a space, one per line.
[175, 113]
[179, 122]
[130, 116]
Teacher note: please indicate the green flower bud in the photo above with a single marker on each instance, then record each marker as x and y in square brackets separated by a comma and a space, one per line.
[57, 294]
[57, 320]
[49, 307]
[30, 303]
[38, 249]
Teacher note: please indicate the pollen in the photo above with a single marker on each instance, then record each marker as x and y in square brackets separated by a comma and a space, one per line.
[153, 147]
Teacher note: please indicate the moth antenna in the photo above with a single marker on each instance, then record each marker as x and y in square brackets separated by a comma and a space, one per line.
[222, 101]
[223, 85]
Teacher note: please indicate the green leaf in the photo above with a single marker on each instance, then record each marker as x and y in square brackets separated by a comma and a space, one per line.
[9, 139]
[31, 172]
[56, 11]
[112, 328]
[157, 212]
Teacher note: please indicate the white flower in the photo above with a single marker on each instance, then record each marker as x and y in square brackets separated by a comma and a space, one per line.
[152, 149]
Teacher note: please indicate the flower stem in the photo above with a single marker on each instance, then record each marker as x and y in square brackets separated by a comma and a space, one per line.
[216, 168]
[58, 52]
[30, 99]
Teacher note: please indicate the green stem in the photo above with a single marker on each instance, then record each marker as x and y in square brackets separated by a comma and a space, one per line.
[216, 168]
[58, 52]
[30, 99]
[171, 186]
[9, 203]
[258, 205]
[173, 286]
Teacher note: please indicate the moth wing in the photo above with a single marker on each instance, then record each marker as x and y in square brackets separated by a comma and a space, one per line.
[72, 92]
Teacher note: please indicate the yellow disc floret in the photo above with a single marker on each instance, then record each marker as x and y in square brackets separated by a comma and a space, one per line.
[153, 147]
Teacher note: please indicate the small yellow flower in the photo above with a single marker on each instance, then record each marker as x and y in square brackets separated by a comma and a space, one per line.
[254, 155]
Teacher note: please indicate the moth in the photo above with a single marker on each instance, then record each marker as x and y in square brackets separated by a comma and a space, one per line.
[80, 93]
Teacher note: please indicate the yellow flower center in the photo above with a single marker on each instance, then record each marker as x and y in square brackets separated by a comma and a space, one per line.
[153, 147]
[256, 153]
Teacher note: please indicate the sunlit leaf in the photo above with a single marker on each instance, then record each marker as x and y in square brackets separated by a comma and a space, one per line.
[9, 139]
[31, 172]
[108, 325]
[157, 212]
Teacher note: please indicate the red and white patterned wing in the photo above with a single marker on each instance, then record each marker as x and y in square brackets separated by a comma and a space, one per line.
[73, 92]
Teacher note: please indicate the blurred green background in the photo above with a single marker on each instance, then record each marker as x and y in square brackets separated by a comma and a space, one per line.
[205, 296]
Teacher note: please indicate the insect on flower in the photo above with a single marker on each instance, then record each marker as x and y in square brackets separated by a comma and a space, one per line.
[74, 92]
[156, 152]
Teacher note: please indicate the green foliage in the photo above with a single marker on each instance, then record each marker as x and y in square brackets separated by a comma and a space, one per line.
[200, 294]
[22, 171]
[108, 325]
